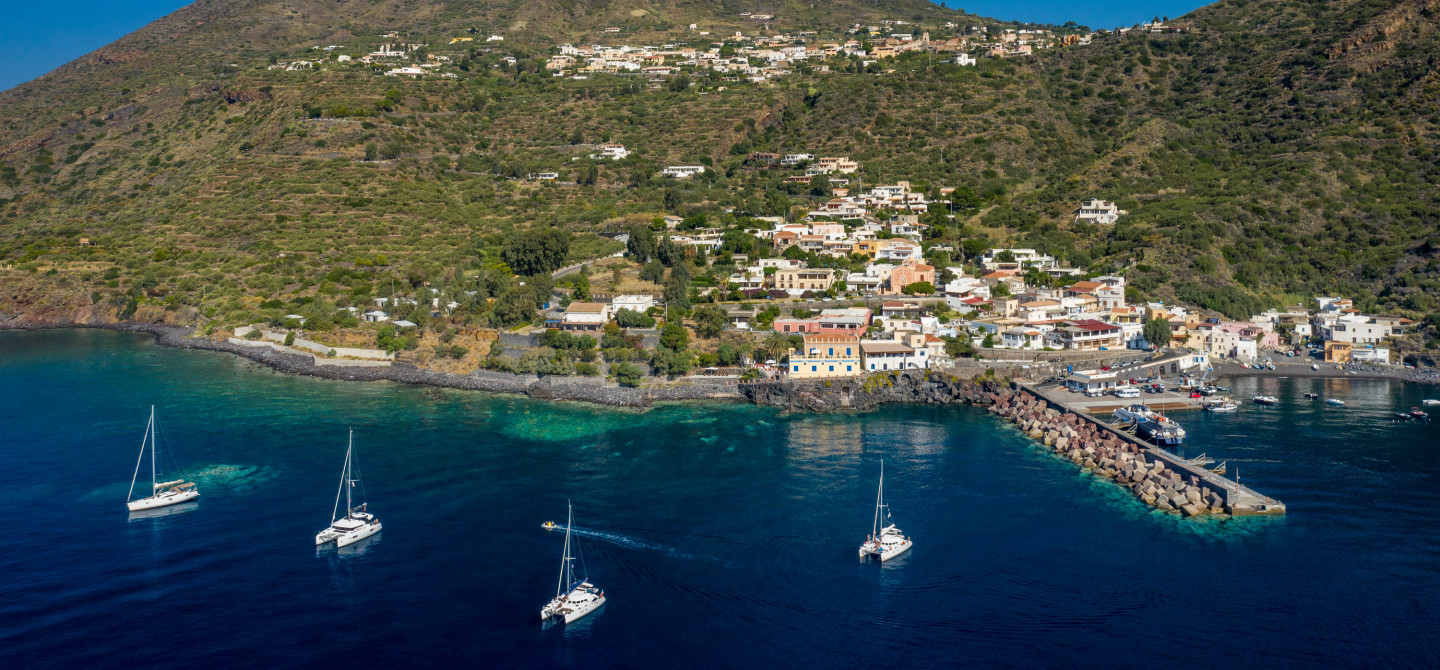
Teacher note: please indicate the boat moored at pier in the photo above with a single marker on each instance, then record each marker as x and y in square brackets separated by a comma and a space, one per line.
[1161, 430]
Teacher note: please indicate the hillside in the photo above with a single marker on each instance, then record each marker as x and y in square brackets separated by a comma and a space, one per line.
[1277, 150]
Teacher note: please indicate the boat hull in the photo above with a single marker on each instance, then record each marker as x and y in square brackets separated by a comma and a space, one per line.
[162, 500]
[348, 537]
[572, 609]
[869, 550]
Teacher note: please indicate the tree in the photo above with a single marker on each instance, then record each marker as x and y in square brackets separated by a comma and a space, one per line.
[1000, 290]
[535, 252]
[581, 284]
[641, 245]
[709, 321]
[626, 374]
[918, 288]
[1005, 256]
[674, 337]
[654, 271]
[513, 308]
[1157, 332]
[628, 318]
[677, 293]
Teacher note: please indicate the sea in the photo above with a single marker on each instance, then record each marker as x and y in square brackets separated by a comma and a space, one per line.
[723, 535]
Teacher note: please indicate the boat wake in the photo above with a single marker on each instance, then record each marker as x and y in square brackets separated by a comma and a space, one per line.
[628, 542]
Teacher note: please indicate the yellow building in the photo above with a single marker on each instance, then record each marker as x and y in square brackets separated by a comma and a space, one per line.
[1338, 352]
[826, 355]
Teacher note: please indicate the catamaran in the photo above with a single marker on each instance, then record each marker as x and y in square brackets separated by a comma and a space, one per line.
[574, 598]
[357, 524]
[162, 494]
[888, 542]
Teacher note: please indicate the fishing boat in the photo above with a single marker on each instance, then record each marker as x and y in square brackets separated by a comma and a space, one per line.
[162, 494]
[574, 598]
[357, 524]
[1160, 430]
[888, 542]
[1266, 400]
[1335, 401]
[1221, 404]
[1133, 413]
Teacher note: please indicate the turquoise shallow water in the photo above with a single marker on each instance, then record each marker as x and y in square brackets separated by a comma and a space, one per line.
[724, 535]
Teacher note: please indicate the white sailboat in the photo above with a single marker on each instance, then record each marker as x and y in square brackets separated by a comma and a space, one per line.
[574, 598]
[162, 494]
[888, 542]
[357, 524]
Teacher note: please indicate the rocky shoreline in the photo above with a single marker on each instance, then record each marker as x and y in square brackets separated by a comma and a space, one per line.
[546, 388]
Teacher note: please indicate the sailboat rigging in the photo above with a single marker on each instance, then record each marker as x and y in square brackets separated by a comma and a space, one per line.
[162, 494]
[574, 598]
[358, 523]
[885, 541]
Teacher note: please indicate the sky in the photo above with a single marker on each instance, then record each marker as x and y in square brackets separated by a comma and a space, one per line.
[36, 37]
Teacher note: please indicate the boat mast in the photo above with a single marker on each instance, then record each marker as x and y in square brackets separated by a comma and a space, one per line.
[153, 446]
[349, 473]
[141, 457]
[565, 553]
[879, 502]
[344, 471]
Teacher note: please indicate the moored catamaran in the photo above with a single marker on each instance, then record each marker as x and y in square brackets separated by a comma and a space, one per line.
[888, 542]
[162, 494]
[358, 523]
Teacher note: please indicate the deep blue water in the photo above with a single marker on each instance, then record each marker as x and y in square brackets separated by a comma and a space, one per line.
[725, 535]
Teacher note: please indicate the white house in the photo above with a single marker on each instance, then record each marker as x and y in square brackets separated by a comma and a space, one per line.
[612, 152]
[1098, 211]
[634, 303]
[883, 355]
[683, 171]
[965, 60]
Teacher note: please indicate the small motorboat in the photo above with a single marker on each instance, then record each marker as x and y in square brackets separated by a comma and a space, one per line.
[1221, 404]
[1335, 401]
[1430, 402]
[549, 525]
[1415, 413]
[1312, 396]
[1266, 400]
[1133, 413]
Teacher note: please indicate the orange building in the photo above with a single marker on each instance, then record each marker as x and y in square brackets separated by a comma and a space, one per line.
[910, 272]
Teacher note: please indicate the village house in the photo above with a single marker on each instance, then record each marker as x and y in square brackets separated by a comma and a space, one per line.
[881, 355]
[1098, 211]
[612, 152]
[798, 281]
[910, 272]
[1085, 334]
[826, 355]
[634, 303]
[585, 316]
[682, 171]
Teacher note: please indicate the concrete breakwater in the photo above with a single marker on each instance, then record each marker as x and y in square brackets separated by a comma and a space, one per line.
[1157, 478]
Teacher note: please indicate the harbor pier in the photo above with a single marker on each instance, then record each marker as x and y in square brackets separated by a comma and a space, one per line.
[1157, 477]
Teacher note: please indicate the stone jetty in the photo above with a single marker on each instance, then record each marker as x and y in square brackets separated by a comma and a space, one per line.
[1157, 478]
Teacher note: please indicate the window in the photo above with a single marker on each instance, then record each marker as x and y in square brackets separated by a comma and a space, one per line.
[832, 351]
[847, 351]
[813, 368]
[832, 368]
[847, 368]
[797, 368]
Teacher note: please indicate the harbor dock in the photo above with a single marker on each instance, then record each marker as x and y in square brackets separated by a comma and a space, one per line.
[1158, 477]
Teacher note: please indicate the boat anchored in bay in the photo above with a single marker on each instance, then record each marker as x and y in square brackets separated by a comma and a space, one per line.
[888, 542]
[162, 494]
[574, 599]
[357, 524]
